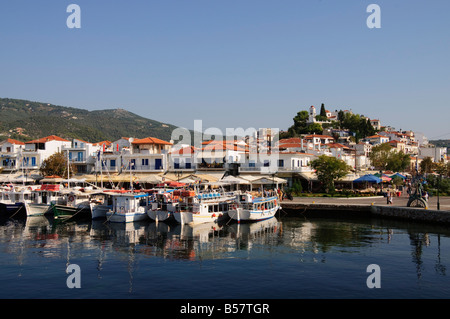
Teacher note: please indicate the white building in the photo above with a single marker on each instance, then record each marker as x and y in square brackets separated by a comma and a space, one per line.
[148, 154]
[377, 139]
[10, 154]
[436, 153]
[83, 155]
[182, 158]
[37, 151]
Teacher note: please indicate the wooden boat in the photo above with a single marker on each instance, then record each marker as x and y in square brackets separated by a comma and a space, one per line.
[41, 199]
[71, 203]
[100, 203]
[10, 201]
[249, 208]
[15, 201]
[162, 204]
[195, 208]
[128, 207]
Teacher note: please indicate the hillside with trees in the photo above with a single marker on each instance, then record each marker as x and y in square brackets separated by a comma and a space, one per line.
[26, 120]
[357, 124]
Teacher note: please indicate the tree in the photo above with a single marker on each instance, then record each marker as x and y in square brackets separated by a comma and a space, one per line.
[426, 166]
[323, 112]
[380, 155]
[56, 164]
[341, 116]
[384, 157]
[442, 169]
[314, 128]
[328, 170]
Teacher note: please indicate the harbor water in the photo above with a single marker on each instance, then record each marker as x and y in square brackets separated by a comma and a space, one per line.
[287, 257]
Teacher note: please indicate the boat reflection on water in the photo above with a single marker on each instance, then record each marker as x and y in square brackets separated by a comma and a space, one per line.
[182, 241]
[262, 232]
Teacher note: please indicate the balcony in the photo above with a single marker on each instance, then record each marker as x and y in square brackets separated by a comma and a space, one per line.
[264, 168]
[143, 168]
[211, 166]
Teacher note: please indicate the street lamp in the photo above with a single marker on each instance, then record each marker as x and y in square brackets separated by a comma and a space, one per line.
[439, 185]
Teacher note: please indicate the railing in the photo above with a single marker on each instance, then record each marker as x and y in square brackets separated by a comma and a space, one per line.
[143, 168]
[258, 168]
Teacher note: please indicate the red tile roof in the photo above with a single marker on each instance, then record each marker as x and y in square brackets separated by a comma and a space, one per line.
[47, 139]
[337, 145]
[291, 145]
[290, 140]
[107, 143]
[185, 150]
[150, 140]
[10, 140]
[320, 136]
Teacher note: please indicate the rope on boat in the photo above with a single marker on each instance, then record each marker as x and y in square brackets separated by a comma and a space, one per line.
[18, 210]
[107, 220]
[78, 211]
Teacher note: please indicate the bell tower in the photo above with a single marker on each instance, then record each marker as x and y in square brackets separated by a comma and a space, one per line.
[312, 114]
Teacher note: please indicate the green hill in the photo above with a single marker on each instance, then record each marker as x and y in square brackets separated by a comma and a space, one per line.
[26, 120]
[441, 143]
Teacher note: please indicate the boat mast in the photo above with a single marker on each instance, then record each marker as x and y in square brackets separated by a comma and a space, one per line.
[68, 167]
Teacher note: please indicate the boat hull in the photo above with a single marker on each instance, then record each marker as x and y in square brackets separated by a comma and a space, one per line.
[10, 208]
[151, 213]
[240, 214]
[116, 217]
[36, 209]
[99, 211]
[63, 211]
[190, 218]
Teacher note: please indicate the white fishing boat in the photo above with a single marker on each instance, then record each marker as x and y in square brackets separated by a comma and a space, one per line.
[249, 208]
[11, 201]
[100, 203]
[128, 207]
[17, 198]
[195, 208]
[41, 199]
[162, 204]
[71, 203]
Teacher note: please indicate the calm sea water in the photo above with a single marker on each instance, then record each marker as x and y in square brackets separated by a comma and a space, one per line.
[284, 257]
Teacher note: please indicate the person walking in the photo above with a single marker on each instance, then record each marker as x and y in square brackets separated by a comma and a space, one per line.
[389, 197]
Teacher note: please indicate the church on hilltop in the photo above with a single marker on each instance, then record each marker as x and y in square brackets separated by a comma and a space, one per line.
[331, 116]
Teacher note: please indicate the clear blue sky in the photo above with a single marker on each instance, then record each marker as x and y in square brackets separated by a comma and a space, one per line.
[233, 63]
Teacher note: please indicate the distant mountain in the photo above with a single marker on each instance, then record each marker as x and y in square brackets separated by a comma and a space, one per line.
[26, 120]
[441, 143]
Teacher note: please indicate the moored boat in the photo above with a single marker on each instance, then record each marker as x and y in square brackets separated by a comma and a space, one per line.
[162, 204]
[71, 203]
[128, 207]
[39, 203]
[195, 208]
[249, 208]
[14, 199]
[100, 203]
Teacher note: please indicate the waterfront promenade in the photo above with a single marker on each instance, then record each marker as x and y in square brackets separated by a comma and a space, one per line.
[375, 206]
[366, 201]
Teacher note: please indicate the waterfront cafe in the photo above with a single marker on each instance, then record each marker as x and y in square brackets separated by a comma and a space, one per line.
[367, 181]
